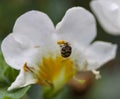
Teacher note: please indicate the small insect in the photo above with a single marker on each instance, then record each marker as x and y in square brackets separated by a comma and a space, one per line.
[66, 49]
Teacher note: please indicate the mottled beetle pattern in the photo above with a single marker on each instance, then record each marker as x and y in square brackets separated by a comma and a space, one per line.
[66, 49]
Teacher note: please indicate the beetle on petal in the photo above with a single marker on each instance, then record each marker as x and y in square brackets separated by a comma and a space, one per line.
[51, 56]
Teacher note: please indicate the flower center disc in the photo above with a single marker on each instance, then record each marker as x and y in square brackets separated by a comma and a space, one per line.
[55, 71]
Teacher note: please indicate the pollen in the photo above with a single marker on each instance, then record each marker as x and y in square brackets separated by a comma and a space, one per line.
[61, 42]
[55, 70]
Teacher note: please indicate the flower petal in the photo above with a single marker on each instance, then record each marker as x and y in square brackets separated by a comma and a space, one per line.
[78, 57]
[77, 25]
[108, 12]
[16, 54]
[35, 27]
[22, 80]
[99, 53]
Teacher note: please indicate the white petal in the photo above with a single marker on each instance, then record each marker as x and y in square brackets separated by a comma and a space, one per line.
[16, 54]
[99, 53]
[35, 28]
[78, 25]
[78, 57]
[22, 80]
[108, 14]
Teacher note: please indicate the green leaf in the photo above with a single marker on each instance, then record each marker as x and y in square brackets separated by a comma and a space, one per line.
[50, 92]
[10, 74]
[64, 93]
[17, 94]
[2, 63]
[7, 76]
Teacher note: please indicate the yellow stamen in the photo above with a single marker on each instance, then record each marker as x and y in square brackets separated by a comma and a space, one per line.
[55, 71]
[61, 42]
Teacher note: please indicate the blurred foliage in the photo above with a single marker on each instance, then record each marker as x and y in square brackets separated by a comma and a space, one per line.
[106, 88]
[7, 74]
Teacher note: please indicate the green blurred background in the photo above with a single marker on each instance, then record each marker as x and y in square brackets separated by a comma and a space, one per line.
[106, 88]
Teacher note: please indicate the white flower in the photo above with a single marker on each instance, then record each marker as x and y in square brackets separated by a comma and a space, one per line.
[108, 14]
[37, 48]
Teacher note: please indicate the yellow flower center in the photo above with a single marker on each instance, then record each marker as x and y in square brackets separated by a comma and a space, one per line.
[55, 71]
